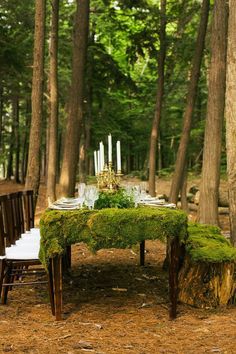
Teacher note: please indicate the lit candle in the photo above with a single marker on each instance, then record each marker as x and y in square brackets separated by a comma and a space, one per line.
[109, 149]
[102, 155]
[118, 156]
[95, 163]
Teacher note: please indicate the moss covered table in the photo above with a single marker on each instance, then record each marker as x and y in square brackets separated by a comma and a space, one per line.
[110, 228]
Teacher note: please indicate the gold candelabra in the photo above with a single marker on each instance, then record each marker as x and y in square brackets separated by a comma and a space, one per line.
[108, 179]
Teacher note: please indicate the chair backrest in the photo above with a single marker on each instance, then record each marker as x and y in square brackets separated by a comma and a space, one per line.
[9, 230]
[18, 217]
[28, 206]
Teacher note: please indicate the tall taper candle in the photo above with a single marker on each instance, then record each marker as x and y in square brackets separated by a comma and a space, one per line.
[118, 156]
[95, 163]
[102, 159]
[99, 161]
[109, 149]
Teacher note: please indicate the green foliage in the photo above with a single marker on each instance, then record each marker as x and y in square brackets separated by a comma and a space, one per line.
[206, 244]
[118, 199]
[121, 76]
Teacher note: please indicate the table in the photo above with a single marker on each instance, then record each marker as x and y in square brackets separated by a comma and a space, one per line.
[110, 228]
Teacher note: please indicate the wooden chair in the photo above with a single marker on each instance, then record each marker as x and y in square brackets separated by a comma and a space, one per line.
[18, 252]
[28, 209]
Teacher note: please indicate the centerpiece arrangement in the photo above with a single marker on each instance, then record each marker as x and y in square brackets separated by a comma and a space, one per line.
[107, 178]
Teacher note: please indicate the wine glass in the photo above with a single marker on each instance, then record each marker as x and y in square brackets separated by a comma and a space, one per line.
[143, 191]
[128, 189]
[81, 194]
[136, 194]
[91, 195]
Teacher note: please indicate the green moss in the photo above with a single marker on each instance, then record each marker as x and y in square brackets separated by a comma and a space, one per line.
[122, 228]
[108, 228]
[206, 244]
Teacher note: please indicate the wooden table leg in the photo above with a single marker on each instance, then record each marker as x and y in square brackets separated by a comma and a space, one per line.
[173, 276]
[51, 287]
[57, 285]
[142, 253]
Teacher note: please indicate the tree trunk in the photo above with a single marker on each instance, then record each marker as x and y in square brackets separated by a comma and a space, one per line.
[82, 154]
[88, 121]
[33, 168]
[230, 114]
[191, 98]
[15, 115]
[205, 285]
[75, 107]
[1, 114]
[210, 180]
[25, 144]
[10, 156]
[53, 97]
[184, 200]
[159, 98]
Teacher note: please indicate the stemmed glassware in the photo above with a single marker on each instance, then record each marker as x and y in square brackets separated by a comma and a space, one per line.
[81, 193]
[143, 191]
[91, 195]
[136, 193]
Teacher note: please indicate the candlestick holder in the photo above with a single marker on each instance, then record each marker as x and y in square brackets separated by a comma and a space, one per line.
[108, 179]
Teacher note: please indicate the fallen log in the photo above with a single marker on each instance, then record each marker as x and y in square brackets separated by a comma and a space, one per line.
[194, 207]
[223, 198]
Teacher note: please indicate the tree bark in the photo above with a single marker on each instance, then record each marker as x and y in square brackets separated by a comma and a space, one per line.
[75, 107]
[53, 102]
[1, 114]
[25, 144]
[33, 168]
[15, 116]
[10, 156]
[159, 98]
[210, 180]
[184, 200]
[191, 98]
[82, 156]
[230, 114]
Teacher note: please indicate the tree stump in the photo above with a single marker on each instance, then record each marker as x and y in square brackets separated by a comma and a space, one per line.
[207, 285]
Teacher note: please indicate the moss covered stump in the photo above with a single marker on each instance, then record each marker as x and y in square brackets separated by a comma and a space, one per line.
[207, 277]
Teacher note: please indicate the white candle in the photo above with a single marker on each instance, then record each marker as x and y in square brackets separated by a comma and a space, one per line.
[109, 149]
[99, 161]
[102, 159]
[118, 156]
[95, 163]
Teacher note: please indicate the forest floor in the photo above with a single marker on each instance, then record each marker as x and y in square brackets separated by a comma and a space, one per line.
[113, 306]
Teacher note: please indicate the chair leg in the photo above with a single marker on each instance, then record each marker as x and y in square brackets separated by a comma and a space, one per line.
[7, 280]
[2, 271]
[57, 285]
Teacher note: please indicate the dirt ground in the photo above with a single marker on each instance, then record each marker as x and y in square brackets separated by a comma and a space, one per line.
[112, 306]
